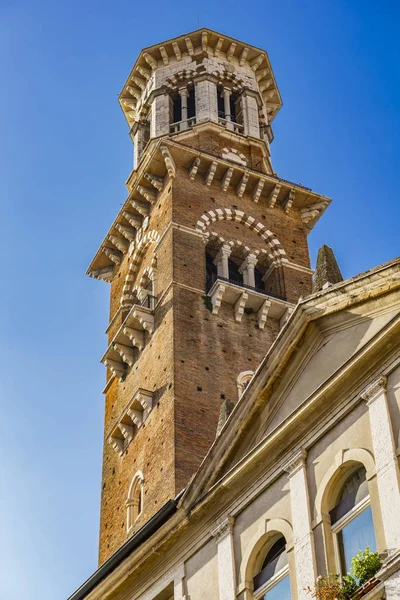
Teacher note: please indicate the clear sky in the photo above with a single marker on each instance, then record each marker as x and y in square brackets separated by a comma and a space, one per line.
[64, 156]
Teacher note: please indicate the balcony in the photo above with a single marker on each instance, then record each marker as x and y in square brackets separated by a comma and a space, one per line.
[182, 125]
[229, 124]
[244, 298]
[129, 340]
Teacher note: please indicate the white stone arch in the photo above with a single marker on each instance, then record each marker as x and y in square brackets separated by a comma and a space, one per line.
[134, 264]
[134, 501]
[242, 380]
[257, 548]
[276, 253]
[335, 475]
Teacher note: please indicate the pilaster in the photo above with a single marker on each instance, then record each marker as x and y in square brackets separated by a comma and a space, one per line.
[387, 468]
[206, 101]
[303, 541]
[223, 535]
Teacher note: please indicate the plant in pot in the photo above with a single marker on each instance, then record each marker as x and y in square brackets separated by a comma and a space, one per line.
[352, 586]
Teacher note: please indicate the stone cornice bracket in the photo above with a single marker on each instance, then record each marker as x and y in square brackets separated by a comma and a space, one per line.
[227, 178]
[262, 313]
[240, 306]
[296, 462]
[242, 185]
[258, 189]
[157, 182]
[150, 195]
[210, 173]
[216, 298]
[223, 529]
[374, 389]
[116, 257]
[287, 203]
[273, 195]
[194, 168]
[169, 161]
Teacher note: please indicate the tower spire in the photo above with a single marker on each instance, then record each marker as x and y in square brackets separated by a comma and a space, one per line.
[327, 271]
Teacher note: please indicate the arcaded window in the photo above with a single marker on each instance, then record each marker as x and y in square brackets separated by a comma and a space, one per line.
[272, 582]
[351, 519]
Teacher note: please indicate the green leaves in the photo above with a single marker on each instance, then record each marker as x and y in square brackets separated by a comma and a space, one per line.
[363, 566]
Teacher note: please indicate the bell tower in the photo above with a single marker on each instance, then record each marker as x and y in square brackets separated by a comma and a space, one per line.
[206, 259]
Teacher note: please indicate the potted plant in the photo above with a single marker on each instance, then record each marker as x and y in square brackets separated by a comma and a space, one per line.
[352, 586]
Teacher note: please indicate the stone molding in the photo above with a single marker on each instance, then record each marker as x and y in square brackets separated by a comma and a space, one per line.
[296, 462]
[223, 529]
[374, 389]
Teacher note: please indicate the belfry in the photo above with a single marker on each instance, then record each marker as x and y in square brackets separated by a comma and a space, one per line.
[206, 259]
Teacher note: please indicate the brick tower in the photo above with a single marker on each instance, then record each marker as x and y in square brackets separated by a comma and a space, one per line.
[206, 259]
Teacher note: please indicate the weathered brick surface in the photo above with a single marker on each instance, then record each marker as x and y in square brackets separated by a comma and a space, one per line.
[192, 360]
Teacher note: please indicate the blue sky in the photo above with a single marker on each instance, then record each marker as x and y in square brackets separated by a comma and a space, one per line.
[64, 156]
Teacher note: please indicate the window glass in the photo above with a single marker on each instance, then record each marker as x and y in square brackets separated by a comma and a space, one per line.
[355, 536]
[275, 561]
[280, 591]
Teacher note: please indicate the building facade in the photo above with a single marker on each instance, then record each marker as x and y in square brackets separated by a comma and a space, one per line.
[251, 411]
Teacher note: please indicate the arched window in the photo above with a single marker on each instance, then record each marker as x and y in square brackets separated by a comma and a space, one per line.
[243, 381]
[351, 519]
[134, 502]
[272, 581]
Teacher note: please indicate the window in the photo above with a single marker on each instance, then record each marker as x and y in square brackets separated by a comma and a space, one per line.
[234, 273]
[272, 582]
[176, 109]
[351, 519]
[211, 271]
[243, 381]
[191, 104]
[134, 503]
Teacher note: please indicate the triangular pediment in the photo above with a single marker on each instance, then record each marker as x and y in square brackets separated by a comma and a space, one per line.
[326, 333]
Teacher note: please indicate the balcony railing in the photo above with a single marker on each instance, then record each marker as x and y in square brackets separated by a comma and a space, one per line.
[211, 280]
[229, 124]
[182, 125]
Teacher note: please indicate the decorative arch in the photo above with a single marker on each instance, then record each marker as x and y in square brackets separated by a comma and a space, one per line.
[134, 264]
[253, 555]
[134, 502]
[243, 378]
[336, 473]
[276, 253]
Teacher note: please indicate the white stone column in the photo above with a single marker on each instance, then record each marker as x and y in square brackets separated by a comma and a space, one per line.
[387, 468]
[226, 563]
[206, 101]
[221, 260]
[247, 270]
[303, 540]
[184, 107]
[250, 115]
